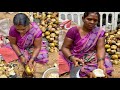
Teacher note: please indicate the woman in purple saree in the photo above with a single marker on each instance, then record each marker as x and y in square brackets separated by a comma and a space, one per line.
[85, 45]
[26, 40]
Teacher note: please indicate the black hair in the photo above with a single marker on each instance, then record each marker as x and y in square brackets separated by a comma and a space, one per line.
[87, 13]
[21, 19]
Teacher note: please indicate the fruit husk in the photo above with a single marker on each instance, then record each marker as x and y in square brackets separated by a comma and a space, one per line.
[118, 41]
[52, 35]
[118, 49]
[111, 42]
[114, 56]
[112, 52]
[114, 47]
[116, 62]
[117, 53]
[108, 50]
[118, 32]
[107, 46]
[117, 36]
[51, 39]
[28, 71]
[47, 33]
[118, 45]
[106, 34]
[119, 56]
[52, 45]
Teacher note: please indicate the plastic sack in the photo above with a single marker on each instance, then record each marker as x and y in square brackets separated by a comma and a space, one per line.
[4, 27]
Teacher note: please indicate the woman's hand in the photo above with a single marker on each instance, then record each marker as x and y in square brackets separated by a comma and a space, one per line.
[91, 75]
[104, 69]
[76, 61]
[30, 64]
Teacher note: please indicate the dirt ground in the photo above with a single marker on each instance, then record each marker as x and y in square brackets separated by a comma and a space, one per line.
[116, 72]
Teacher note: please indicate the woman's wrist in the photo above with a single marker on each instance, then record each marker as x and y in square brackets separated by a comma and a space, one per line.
[70, 57]
[100, 63]
[100, 59]
[32, 58]
[20, 55]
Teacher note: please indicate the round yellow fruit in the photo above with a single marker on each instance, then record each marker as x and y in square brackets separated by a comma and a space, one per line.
[28, 71]
[56, 37]
[51, 39]
[57, 32]
[119, 56]
[108, 50]
[114, 47]
[52, 35]
[106, 34]
[52, 45]
[116, 62]
[45, 25]
[112, 52]
[114, 57]
[49, 27]
[52, 30]
[56, 44]
[40, 26]
[51, 50]
[49, 16]
[118, 32]
[48, 37]
[107, 46]
[117, 53]
[43, 34]
[55, 41]
[3, 76]
[43, 22]
[112, 36]
[47, 33]
[112, 42]
[50, 12]
[43, 29]
[118, 41]
[118, 44]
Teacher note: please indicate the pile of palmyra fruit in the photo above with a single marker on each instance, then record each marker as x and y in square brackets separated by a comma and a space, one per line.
[113, 45]
[49, 24]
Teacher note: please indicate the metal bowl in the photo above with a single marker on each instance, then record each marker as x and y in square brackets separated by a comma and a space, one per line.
[50, 71]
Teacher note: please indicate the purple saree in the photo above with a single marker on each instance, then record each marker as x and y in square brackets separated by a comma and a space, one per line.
[25, 43]
[85, 49]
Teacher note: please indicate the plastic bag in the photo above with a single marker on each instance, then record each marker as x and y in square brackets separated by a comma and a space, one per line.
[4, 27]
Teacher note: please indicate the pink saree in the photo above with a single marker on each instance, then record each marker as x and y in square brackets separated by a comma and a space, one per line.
[85, 49]
[25, 43]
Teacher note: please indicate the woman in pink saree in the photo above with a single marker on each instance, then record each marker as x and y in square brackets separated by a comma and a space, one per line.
[85, 46]
[26, 40]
